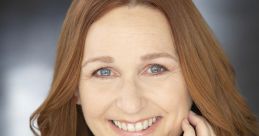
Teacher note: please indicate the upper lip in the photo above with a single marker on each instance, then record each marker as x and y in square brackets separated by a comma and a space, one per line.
[134, 121]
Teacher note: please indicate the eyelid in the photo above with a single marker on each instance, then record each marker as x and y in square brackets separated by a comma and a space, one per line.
[166, 69]
[103, 77]
[148, 66]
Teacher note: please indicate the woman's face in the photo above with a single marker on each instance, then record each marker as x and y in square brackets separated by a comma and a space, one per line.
[131, 81]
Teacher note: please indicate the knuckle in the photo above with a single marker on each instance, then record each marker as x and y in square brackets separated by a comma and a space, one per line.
[201, 120]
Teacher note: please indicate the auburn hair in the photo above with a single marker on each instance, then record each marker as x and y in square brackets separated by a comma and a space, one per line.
[209, 76]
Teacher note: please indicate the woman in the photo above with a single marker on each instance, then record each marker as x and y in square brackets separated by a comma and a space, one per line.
[141, 67]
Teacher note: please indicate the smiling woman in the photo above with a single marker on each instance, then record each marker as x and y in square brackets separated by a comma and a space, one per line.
[148, 67]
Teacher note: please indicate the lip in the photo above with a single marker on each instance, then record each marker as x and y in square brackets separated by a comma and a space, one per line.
[145, 132]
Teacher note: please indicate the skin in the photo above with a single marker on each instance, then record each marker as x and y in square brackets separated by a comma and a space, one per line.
[131, 91]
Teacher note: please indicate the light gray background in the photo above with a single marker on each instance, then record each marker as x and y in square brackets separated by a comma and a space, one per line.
[29, 31]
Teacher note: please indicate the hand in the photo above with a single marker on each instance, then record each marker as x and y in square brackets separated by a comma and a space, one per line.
[202, 126]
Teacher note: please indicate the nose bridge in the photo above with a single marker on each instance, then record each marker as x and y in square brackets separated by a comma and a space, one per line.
[130, 99]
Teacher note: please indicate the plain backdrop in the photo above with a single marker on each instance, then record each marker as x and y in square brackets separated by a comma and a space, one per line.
[29, 30]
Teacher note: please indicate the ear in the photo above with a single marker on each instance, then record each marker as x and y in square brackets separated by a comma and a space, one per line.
[77, 97]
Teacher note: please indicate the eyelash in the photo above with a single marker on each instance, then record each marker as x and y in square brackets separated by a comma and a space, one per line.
[164, 69]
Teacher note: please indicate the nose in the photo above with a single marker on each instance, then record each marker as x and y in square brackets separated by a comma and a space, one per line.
[130, 99]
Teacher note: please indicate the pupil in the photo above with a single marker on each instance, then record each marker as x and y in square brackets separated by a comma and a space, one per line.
[105, 72]
[155, 69]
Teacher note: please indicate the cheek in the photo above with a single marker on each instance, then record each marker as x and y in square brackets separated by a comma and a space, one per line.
[95, 98]
[170, 93]
[172, 96]
[176, 98]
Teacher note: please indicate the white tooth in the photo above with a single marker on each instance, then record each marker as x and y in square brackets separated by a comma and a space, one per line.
[154, 119]
[145, 124]
[119, 124]
[123, 126]
[131, 127]
[135, 127]
[115, 122]
[149, 122]
[138, 126]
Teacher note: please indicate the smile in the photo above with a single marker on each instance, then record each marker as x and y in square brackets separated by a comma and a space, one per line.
[139, 128]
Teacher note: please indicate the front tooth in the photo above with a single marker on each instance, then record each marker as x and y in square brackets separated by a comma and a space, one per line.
[149, 122]
[131, 127]
[138, 126]
[145, 124]
[135, 127]
[124, 126]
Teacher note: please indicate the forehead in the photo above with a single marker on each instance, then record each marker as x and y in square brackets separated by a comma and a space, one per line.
[138, 27]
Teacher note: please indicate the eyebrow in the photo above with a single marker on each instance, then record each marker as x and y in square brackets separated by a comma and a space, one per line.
[108, 59]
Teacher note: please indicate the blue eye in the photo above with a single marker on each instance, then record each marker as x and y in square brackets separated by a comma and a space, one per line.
[102, 72]
[153, 69]
[156, 69]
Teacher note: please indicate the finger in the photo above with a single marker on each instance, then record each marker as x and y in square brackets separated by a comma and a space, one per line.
[188, 130]
[212, 133]
[200, 124]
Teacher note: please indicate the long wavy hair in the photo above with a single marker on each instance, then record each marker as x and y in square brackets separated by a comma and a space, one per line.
[209, 76]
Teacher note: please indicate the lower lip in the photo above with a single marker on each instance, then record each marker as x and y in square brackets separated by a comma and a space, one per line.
[145, 132]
